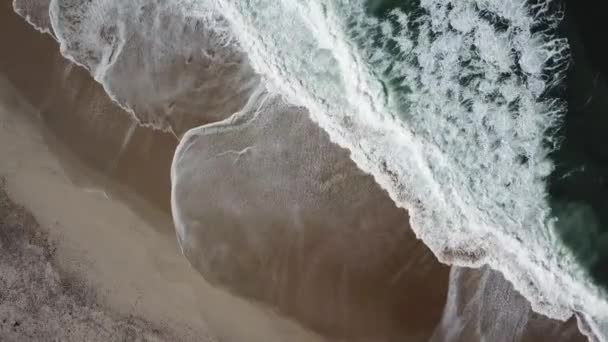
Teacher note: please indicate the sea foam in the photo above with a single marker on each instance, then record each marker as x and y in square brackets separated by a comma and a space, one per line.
[445, 106]
[160, 65]
[448, 112]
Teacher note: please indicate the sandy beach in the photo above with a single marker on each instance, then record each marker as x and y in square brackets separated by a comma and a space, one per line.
[129, 164]
[98, 186]
[133, 268]
[130, 259]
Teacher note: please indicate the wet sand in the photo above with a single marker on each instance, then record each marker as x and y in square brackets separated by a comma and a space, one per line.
[134, 269]
[267, 206]
[126, 253]
[76, 109]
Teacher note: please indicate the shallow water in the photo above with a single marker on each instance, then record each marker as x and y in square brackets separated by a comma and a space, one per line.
[483, 306]
[104, 232]
[379, 298]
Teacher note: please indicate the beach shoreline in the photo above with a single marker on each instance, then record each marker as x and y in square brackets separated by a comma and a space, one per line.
[135, 268]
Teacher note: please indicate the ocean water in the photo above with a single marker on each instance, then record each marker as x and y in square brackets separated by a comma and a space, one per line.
[468, 113]
[577, 185]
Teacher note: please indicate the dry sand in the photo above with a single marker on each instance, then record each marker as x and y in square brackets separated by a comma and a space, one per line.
[38, 302]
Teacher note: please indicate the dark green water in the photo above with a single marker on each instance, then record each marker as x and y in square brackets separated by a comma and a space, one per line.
[381, 8]
[579, 185]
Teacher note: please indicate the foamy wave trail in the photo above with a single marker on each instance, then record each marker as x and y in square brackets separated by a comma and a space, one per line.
[447, 104]
[170, 70]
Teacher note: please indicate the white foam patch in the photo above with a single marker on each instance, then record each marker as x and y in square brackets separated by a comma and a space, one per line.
[169, 69]
[482, 306]
[36, 13]
[468, 168]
